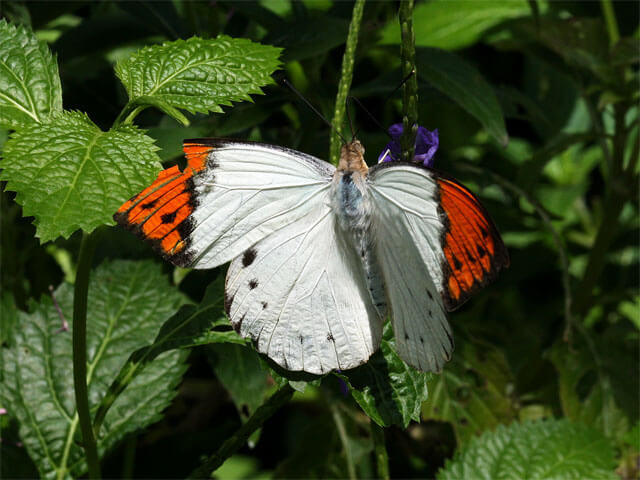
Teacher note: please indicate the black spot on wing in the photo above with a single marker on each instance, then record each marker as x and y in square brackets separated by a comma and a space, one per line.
[330, 337]
[168, 217]
[248, 257]
[264, 305]
[253, 284]
[148, 205]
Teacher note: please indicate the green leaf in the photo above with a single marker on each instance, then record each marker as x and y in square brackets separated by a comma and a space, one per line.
[534, 450]
[440, 24]
[190, 326]
[29, 81]
[127, 303]
[598, 407]
[387, 389]
[463, 84]
[199, 75]
[303, 40]
[69, 174]
[472, 392]
[239, 369]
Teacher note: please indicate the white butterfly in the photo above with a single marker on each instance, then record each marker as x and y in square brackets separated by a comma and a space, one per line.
[322, 255]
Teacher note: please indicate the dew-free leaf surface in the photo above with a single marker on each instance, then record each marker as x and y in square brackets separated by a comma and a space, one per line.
[198, 75]
[29, 81]
[535, 451]
[463, 84]
[386, 388]
[69, 174]
[127, 303]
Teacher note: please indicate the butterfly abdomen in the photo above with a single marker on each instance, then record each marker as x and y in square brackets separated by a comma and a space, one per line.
[353, 209]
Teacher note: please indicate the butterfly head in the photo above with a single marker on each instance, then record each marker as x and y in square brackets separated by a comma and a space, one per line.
[352, 158]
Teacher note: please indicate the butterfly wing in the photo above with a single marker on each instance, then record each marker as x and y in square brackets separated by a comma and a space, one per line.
[231, 195]
[421, 220]
[300, 295]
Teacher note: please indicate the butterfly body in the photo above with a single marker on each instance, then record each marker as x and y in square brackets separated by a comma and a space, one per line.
[352, 204]
[321, 255]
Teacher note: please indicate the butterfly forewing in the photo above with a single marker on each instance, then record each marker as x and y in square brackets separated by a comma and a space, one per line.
[230, 196]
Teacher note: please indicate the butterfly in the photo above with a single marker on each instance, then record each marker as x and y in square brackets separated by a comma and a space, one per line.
[321, 256]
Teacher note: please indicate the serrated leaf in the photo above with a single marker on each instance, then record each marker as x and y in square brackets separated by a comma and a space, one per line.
[472, 392]
[202, 324]
[439, 24]
[535, 451]
[29, 81]
[199, 75]
[388, 390]
[463, 84]
[69, 174]
[126, 305]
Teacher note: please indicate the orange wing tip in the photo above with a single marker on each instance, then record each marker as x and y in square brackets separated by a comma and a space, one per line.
[197, 154]
[473, 249]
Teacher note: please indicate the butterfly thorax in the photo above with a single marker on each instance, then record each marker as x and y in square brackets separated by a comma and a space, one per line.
[352, 158]
[350, 199]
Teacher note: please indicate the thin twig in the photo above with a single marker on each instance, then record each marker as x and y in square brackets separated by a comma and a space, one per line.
[65, 324]
[342, 433]
[410, 87]
[346, 76]
[239, 438]
[380, 449]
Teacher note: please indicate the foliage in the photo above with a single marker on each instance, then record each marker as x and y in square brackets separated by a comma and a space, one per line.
[535, 103]
[536, 450]
[127, 302]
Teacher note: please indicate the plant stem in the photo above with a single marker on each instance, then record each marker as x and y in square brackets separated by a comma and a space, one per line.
[79, 334]
[344, 439]
[610, 19]
[618, 187]
[345, 81]
[239, 438]
[380, 448]
[410, 86]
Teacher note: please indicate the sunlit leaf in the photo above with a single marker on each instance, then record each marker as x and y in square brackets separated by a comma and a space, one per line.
[198, 75]
[535, 450]
[29, 81]
[69, 174]
[127, 303]
[439, 23]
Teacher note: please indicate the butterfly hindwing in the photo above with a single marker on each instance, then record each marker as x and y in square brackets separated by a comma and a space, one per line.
[299, 295]
[230, 196]
[407, 230]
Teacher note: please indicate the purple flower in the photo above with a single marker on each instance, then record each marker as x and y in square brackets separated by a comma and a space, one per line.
[426, 146]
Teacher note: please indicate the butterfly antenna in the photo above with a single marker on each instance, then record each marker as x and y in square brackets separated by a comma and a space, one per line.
[314, 109]
[404, 80]
[364, 109]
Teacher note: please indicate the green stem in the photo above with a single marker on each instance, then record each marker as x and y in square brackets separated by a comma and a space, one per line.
[610, 19]
[79, 333]
[345, 82]
[344, 439]
[410, 86]
[380, 448]
[240, 437]
[619, 186]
